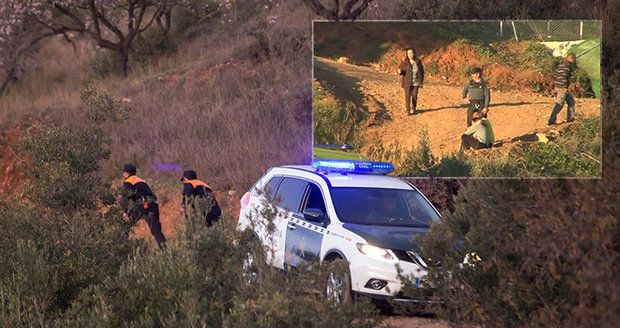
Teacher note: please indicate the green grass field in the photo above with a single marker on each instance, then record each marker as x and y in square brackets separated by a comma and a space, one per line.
[335, 154]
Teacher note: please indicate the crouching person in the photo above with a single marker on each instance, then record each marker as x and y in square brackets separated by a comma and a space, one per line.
[139, 202]
[198, 195]
[479, 135]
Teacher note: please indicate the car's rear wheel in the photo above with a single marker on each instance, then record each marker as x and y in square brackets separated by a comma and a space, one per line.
[337, 282]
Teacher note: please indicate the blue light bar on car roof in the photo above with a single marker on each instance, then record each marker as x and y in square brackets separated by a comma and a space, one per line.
[353, 166]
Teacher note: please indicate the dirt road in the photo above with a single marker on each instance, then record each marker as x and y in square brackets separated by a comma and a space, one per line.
[442, 111]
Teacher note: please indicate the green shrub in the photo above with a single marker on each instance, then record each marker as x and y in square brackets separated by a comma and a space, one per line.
[485, 50]
[433, 68]
[544, 262]
[440, 192]
[28, 289]
[419, 161]
[584, 137]
[580, 84]
[537, 86]
[339, 122]
[151, 45]
[465, 69]
[201, 280]
[541, 56]
[65, 161]
[504, 166]
[416, 162]
[575, 153]
[550, 159]
[454, 165]
[51, 257]
[379, 151]
[103, 64]
[184, 20]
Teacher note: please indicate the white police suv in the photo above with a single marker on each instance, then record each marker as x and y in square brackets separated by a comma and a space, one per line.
[343, 210]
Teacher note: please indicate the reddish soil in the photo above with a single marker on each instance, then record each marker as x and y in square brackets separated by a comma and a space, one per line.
[442, 110]
[11, 179]
[12, 184]
[455, 59]
[171, 216]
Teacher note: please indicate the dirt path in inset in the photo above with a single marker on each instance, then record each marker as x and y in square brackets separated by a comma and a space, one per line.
[442, 111]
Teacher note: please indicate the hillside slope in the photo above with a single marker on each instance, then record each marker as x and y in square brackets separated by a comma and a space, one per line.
[442, 110]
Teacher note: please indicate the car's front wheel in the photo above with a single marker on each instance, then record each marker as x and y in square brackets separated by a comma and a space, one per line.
[337, 282]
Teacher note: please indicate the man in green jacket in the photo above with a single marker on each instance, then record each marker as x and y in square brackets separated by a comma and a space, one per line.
[479, 94]
[479, 135]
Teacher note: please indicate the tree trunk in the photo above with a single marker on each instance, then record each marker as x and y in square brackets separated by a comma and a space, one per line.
[167, 20]
[5, 85]
[122, 60]
[10, 77]
[163, 21]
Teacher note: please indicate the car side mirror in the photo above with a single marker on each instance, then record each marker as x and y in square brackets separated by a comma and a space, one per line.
[314, 214]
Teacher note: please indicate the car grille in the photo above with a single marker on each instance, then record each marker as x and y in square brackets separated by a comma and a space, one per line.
[410, 256]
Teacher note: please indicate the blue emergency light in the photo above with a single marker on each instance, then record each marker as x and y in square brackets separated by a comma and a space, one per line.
[353, 166]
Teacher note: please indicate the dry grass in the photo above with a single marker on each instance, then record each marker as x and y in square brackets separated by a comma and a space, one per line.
[225, 105]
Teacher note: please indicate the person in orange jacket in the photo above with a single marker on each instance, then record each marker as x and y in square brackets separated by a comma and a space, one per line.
[139, 202]
[195, 191]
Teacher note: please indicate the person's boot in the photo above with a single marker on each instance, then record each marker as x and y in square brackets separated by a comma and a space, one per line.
[554, 113]
[570, 116]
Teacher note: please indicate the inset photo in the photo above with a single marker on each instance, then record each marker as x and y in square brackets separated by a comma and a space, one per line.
[460, 98]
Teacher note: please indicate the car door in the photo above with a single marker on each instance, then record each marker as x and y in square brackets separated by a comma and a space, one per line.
[259, 215]
[304, 235]
[288, 197]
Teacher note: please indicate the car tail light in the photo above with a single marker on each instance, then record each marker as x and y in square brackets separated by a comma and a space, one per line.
[245, 200]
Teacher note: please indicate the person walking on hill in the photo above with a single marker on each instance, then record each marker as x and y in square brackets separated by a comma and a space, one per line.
[562, 77]
[479, 135]
[139, 202]
[411, 73]
[196, 192]
[479, 94]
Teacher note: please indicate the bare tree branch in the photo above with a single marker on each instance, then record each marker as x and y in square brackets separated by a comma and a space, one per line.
[335, 13]
[319, 9]
[347, 14]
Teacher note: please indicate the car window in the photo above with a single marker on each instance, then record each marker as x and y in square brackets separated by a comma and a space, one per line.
[270, 188]
[290, 192]
[419, 208]
[315, 198]
[376, 206]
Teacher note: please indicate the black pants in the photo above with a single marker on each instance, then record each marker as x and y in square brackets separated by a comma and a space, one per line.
[151, 216]
[469, 142]
[474, 106]
[411, 98]
[212, 216]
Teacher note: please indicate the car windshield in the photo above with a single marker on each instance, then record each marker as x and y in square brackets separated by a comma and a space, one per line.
[376, 206]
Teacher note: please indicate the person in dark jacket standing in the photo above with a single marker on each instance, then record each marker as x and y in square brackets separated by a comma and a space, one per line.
[411, 73]
[139, 202]
[562, 76]
[479, 95]
[196, 191]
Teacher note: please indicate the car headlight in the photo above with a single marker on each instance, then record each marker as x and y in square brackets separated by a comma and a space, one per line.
[377, 252]
[471, 259]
